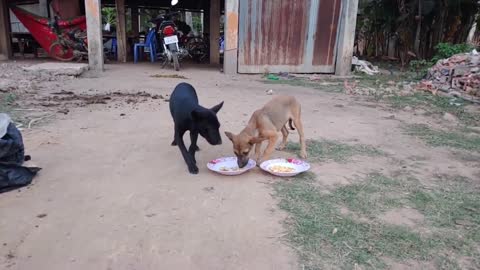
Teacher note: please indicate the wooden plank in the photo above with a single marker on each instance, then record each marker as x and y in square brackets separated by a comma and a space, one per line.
[346, 36]
[94, 35]
[230, 58]
[121, 31]
[5, 40]
[214, 31]
[135, 19]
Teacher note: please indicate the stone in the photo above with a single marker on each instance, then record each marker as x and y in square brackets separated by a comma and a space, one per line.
[450, 117]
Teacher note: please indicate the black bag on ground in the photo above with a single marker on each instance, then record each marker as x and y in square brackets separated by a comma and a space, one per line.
[12, 156]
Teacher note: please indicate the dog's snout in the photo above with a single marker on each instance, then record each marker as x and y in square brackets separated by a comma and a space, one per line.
[242, 162]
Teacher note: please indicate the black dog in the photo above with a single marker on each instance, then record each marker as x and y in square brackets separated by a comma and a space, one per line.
[189, 115]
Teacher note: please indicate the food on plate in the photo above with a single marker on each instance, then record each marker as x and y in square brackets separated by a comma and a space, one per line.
[281, 169]
[229, 169]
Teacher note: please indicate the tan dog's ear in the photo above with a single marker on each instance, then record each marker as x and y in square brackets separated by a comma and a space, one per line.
[256, 140]
[229, 135]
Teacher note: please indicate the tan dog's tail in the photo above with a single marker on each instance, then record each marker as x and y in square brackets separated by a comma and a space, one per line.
[290, 124]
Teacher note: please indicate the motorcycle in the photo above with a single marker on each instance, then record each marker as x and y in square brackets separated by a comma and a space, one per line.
[169, 40]
[197, 48]
[68, 46]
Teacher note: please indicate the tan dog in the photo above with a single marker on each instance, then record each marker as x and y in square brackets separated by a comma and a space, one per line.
[265, 125]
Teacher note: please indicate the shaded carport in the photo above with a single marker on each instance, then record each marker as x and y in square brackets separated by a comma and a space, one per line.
[211, 8]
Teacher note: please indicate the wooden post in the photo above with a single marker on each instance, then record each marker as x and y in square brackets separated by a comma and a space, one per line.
[5, 39]
[230, 57]
[94, 35]
[135, 19]
[214, 31]
[206, 20]
[121, 31]
[346, 36]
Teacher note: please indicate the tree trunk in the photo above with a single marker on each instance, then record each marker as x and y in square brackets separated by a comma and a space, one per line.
[416, 45]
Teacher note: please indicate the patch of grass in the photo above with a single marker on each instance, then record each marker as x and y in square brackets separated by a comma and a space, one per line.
[327, 86]
[435, 105]
[443, 138]
[326, 238]
[7, 103]
[321, 150]
[456, 201]
[370, 197]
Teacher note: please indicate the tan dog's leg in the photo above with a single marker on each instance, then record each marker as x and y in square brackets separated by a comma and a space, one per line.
[258, 147]
[303, 147]
[284, 139]
[272, 140]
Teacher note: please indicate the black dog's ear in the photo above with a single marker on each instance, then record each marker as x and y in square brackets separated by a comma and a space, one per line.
[217, 108]
[229, 135]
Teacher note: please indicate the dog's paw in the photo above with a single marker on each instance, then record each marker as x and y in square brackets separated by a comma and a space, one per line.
[174, 143]
[303, 155]
[197, 148]
[193, 169]
[280, 148]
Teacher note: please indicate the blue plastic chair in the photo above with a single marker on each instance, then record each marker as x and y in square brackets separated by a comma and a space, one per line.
[150, 42]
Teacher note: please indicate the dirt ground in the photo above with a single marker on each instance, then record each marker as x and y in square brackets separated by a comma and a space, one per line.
[113, 193]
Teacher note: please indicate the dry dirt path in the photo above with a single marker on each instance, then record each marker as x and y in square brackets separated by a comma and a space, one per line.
[113, 194]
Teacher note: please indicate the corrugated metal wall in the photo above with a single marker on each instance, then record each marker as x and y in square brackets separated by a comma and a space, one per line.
[288, 36]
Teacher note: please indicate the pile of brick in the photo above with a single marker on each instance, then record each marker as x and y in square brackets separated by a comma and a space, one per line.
[458, 75]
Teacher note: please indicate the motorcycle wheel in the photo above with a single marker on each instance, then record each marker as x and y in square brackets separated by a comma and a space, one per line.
[176, 63]
[59, 52]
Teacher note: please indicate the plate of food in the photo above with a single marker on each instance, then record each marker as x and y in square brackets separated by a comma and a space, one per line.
[229, 166]
[285, 167]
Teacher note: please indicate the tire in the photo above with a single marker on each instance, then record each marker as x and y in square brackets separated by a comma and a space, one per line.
[176, 64]
[59, 52]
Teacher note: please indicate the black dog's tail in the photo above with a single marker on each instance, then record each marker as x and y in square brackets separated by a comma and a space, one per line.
[290, 124]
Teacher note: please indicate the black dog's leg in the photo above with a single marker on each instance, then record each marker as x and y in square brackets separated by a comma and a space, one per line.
[192, 167]
[193, 145]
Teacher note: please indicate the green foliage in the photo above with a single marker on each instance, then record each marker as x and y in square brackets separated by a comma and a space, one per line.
[109, 15]
[197, 23]
[442, 51]
[446, 50]
[420, 66]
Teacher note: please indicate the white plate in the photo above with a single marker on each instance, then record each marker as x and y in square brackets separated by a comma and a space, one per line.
[224, 166]
[298, 166]
[170, 39]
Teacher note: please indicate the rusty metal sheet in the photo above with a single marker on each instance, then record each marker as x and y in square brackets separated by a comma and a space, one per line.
[327, 24]
[287, 35]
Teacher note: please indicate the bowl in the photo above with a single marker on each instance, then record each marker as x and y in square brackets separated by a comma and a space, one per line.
[229, 166]
[285, 167]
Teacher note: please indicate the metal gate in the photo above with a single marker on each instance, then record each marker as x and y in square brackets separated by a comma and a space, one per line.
[288, 36]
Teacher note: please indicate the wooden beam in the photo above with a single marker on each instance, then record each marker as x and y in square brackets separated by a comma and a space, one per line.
[135, 19]
[121, 31]
[230, 57]
[5, 39]
[214, 31]
[94, 35]
[346, 36]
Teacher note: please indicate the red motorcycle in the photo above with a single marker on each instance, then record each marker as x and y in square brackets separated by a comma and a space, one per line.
[70, 45]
